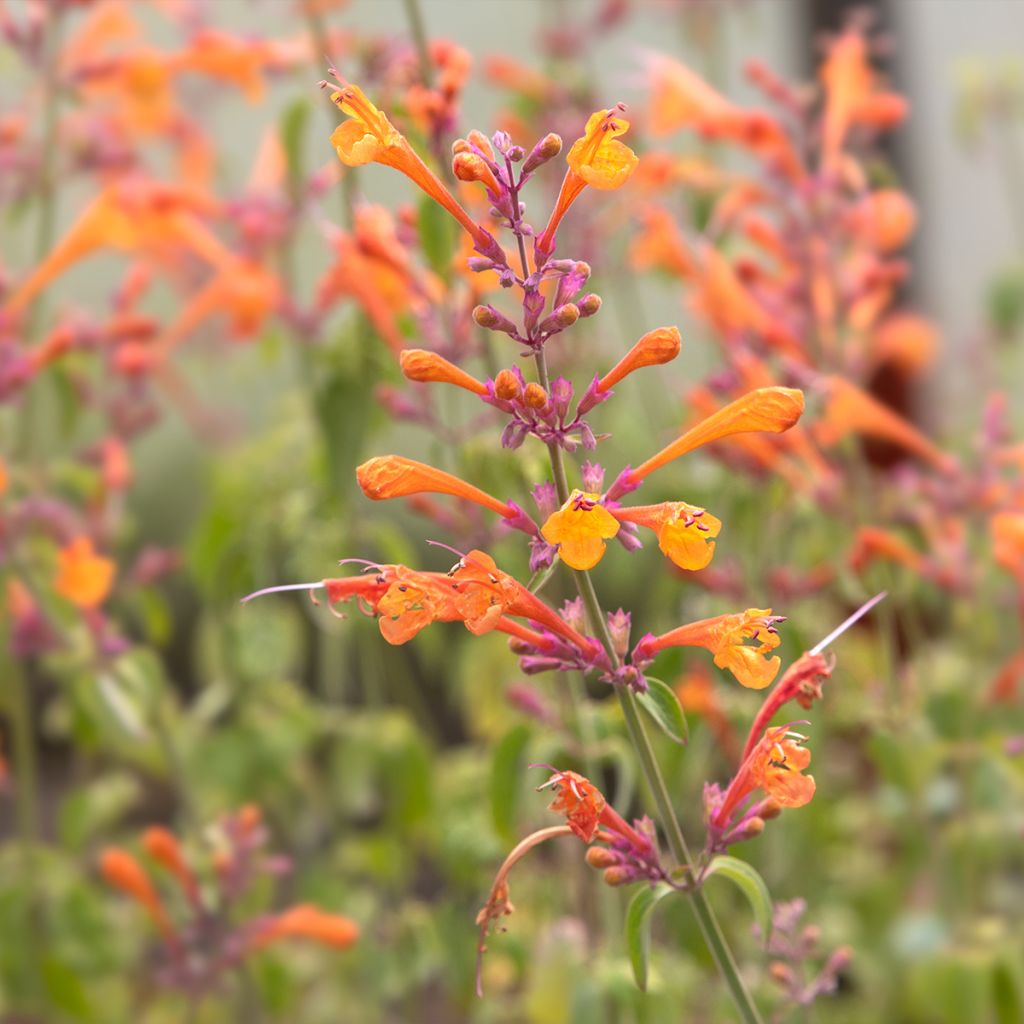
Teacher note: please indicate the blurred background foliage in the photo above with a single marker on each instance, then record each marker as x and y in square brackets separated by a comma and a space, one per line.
[395, 779]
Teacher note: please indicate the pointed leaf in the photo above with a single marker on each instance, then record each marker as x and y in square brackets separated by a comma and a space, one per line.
[662, 704]
[638, 929]
[751, 884]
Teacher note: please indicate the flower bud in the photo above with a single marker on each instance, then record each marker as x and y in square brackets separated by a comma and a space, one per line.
[461, 146]
[506, 385]
[781, 973]
[589, 304]
[482, 143]
[618, 875]
[428, 367]
[601, 857]
[516, 153]
[563, 317]
[534, 396]
[470, 167]
[547, 149]
[655, 347]
[490, 318]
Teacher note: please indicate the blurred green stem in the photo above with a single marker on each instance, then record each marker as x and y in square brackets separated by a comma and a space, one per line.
[709, 927]
[419, 37]
[26, 771]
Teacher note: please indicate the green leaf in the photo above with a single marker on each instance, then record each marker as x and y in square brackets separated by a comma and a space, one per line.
[1007, 993]
[661, 703]
[751, 884]
[65, 989]
[506, 779]
[638, 929]
[123, 709]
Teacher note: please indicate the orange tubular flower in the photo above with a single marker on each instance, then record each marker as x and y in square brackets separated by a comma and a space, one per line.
[725, 636]
[580, 528]
[872, 543]
[309, 922]
[772, 410]
[121, 870]
[164, 848]
[656, 347]
[369, 137]
[775, 766]
[420, 365]
[851, 410]
[1007, 530]
[685, 533]
[392, 476]
[83, 577]
[598, 159]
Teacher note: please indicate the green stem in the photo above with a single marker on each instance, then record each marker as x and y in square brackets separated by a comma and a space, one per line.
[419, 37]
[641, 742]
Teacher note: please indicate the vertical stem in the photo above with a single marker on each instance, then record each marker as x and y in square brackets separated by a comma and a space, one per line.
[26, 794]
[709, 926]
[419, 37]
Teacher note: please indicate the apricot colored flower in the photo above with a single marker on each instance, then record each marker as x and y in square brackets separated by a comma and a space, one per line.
[310, 922]
[1007, 530]
[771, 410]
[392, 476]
[121, 870]
[369, 137]
[83, 577]
[656, 347]
[580, 801]
[580, 528]
[428, 367]
[775, 766]
[849, 410]
[741, 642]
[597, 159]
[411, 603]
[685, 533]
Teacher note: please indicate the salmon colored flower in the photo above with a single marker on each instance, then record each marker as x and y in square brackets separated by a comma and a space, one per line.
[586, 810]
[849, 410]
[369, 137]
[1007, 531]
[774, 766]
[121, 870]
[83, 577]
[310, 922]
[420, 365]
[872, 543]
[685, 533]
[772, 410]
[884, 219]
[597, 159]
[727, 636]
[392, 476]
[660, 245]
[905, 340]
[656, 347]
[162, 845]
[580, 528]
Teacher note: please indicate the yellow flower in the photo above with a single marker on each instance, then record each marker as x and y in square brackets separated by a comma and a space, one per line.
[580, 528]
[684, 531]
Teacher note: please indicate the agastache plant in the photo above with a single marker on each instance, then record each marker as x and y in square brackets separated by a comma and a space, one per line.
[573, 522]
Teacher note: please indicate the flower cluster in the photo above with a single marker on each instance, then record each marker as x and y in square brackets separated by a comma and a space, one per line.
[201, 937]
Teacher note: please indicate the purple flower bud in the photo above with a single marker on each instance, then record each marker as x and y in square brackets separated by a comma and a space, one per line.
[493, 319]
[587, 438]
[534, 664]
[563, 317]
[572, 281]
[619, 626]
[514, 434]
[593, 477]
[542, 554]
[502, 142]
[547, 149]
[574, 614]
[516, 153]
[529, 701]
[629, 536]
[478, 264]
[589, 304]
[624, 484]
[560, 395]
[533, 306]
[546, 498]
